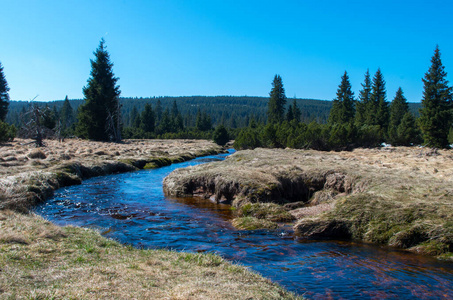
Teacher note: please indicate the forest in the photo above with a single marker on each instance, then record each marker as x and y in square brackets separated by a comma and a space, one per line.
[346, 122]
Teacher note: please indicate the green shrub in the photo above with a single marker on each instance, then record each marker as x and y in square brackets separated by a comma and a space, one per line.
[220, 135]
[7, 132]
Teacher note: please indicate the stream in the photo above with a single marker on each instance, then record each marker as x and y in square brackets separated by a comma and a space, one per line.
[132, 209]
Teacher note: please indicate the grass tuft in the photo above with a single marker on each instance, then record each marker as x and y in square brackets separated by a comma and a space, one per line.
[252, 223]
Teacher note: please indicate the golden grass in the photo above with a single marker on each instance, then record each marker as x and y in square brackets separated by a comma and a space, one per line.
[44, 261]
[39, 260]
[402, 197]
[29, 175]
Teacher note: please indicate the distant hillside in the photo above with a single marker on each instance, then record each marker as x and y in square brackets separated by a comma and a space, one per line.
[227, 109]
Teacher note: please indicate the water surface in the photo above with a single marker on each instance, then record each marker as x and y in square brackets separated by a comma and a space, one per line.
[132, 209]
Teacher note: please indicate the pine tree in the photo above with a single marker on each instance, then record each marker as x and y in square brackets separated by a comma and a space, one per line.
[174, 109]
[99, 115]
[277, 102]
[159, 110]
[378, 101]
[363, 105]
[436, 112]
[66, 115]
[220, 135]
[398, 108]
[176, 118]
[165, 123]
[4, 96]
[148, 119]
[407, 131]
[203, 121]
[49, 119]
[342, 111]
[290, 114]
[296, 111]
[133, 116]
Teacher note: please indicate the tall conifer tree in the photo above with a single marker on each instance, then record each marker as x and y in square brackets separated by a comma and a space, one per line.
[148, 119]
[159, 110]
[277, 101]
[4, 96]
[342, 111]
[398, 108]
[66, 115]
[99, 114]
[296, 111]
[363, 104]
[379, 102]
[436, 112]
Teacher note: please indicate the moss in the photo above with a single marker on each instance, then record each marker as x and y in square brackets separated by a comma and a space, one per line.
[433, 247]
[252, 223]
[128, 161]
[269, 211]
[181, 158]
[66, 179]
[157, 163]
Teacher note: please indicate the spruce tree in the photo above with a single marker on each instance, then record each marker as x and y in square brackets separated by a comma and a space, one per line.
[398, 108]
[165, 123]
[277, 102]
[159, 110]
[296, 111]
[436, 112]
[379, 102]
[174, 109]
[66, 116]
[133, 115]
[342, 111]
[148, 119]
[99, 115]
[220, 135]
[4, 96]
[407, 131]
[290, 114]
[293, 112]
[363, 105]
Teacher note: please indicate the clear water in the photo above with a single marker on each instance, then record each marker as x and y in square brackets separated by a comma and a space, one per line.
[132, 209]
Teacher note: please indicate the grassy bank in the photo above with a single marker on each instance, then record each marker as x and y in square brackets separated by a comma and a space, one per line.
[39, 260]
[400, 197]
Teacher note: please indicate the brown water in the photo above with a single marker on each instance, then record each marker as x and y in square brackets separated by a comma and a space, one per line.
[132, 209]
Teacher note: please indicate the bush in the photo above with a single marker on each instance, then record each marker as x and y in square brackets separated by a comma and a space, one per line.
[7, 132]
[220, 135]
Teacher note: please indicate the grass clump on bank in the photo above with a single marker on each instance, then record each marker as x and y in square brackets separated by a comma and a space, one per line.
[253, 216]
[252, 223]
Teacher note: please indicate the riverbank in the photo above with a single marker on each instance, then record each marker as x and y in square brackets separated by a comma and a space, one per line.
[39, 260]
[400, 197]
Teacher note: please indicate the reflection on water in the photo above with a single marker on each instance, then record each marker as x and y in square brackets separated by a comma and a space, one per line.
[131, 208]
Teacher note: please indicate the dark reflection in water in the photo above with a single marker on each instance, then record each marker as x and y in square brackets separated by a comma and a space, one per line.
[131, 208]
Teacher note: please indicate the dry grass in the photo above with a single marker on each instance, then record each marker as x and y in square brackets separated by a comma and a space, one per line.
[401, 196]
[41, 261]
[19, 156]
[29, 175]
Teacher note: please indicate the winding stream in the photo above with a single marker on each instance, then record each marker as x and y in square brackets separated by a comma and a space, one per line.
[132, 209]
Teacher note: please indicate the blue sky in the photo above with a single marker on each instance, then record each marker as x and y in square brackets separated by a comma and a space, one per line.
[213, 47]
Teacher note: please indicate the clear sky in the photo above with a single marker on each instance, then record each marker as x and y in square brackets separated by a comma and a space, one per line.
[222, 47]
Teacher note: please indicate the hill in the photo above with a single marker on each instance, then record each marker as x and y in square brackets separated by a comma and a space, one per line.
[234, 111]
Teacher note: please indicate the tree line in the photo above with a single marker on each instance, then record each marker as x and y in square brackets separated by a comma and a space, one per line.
[368, 121]
[346, 122]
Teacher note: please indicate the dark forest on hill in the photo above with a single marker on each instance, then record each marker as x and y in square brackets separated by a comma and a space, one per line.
[229, 110]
